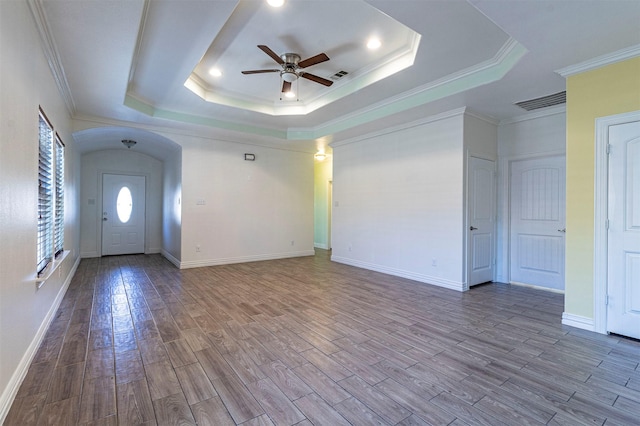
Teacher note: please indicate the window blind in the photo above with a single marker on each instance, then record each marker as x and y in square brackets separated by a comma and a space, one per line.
[45, 195]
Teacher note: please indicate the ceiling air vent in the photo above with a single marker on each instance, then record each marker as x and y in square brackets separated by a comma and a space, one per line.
[543, 102]
[338, 75]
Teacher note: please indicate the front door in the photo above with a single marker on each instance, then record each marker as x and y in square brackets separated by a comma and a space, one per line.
[481, 220]
[123, 214]
[537, 225]
[623, 277]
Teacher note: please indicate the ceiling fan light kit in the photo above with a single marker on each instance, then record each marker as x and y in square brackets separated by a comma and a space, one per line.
[289, 76]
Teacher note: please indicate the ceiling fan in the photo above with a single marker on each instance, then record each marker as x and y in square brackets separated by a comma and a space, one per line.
[292, 67]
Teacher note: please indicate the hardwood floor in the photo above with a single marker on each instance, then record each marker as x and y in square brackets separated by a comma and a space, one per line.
[307, 341]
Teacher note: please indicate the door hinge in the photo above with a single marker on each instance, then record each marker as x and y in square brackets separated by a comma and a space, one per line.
[606, 224]
[608, 148]
[606, 300]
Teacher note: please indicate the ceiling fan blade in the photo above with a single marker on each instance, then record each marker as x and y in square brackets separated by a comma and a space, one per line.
[316, 79]
[286, 86]
[259, 71]
[321, 57]
[271, 53]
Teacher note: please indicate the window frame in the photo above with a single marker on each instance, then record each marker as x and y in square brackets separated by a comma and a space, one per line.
[50, 209]
[58, 213]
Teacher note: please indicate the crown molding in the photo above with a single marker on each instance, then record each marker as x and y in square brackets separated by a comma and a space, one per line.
[51, 54]
[83, 122]
[136, 52]
[545, 112]
[416, 123]
[600, 61]
[485, 118]
[478, 75]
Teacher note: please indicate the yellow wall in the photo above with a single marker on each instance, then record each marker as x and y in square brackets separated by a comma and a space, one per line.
[605, 91]
[323, 172]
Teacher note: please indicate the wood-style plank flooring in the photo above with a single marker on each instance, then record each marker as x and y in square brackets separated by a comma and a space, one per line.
[307, 341]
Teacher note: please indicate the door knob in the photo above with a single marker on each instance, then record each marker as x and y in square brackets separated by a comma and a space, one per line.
[104, 219]
[472, 228]
[562, 230]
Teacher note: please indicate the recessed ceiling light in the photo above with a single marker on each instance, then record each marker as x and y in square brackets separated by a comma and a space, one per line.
[290, 94]
[374, 43]
[215, 72]
[275, 3]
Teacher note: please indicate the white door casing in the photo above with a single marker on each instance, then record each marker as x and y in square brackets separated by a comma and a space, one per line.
[123, 233]
[482, 213]
[623, 257]
[537, 222]
[330, 212]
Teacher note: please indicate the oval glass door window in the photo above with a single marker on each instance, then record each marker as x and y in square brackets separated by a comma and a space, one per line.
[124, 204]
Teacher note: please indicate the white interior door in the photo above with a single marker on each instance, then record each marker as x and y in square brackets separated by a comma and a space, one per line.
[329, 213]
[623, 276]
[481, 221]
[123, 214]
[537, 222]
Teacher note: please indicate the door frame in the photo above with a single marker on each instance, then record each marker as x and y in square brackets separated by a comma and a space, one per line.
[467, 222]
[503, 269]
[99, 202]
[601, 247]
[330, 211]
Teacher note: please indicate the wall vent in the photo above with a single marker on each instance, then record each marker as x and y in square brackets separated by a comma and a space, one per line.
[543, 102]
[339, 75]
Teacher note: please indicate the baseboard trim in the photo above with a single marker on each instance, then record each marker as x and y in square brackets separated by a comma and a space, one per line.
[426, 279]
[321, 246]
[243, 259]
[578, 321]
[89, 254]
[170, 258]
[10, 392]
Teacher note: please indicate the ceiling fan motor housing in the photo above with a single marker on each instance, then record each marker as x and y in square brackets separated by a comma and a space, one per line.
[290, 59]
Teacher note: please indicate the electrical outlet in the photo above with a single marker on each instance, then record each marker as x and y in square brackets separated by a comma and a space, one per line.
[293, 242]
[349, 247]
[198, 248]
[434, 262]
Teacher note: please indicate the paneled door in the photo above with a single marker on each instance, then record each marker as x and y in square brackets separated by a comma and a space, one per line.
[123, 214]
[623, 277]
[537, 222]
[482, 212]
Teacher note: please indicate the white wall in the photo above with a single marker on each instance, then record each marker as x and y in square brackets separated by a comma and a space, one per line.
[172, 208]
[480, 137]
[532, 135]
[26, 83]
[399, 201]
[235, 210]
[97, 163]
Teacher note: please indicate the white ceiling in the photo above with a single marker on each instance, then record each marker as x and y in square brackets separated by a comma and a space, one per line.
[121, 61]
